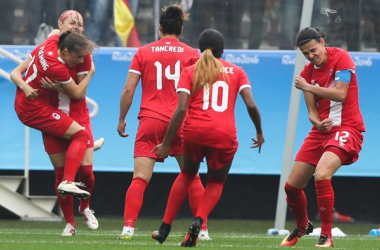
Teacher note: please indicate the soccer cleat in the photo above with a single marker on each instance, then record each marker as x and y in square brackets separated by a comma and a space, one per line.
[203, 235]
[191, 237]
[292, 238]
[324, 241]
[342, 218]
[66, 187]
[89, 217]
[162, 233]
[98, 143]
[69, 230]
[127, 233]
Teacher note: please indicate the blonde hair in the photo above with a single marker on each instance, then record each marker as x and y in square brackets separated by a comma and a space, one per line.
[207, 70]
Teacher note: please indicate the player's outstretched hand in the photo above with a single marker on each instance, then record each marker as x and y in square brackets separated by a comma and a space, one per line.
[258, 142]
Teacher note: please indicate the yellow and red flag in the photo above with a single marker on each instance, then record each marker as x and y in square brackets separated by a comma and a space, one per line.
[125, 24]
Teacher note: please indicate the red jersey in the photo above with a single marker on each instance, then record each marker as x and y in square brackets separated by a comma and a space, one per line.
[77, 109]
[160, 64]
[210, 120]
[346, 113]
[45, 63]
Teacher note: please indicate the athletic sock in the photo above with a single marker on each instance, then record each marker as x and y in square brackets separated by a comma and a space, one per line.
[195, 191]
[74, 154]
[133, 201]
[297, 202]
[210, 198]
[325, 200]
[177, 195]
[86, 175]
[66, 201]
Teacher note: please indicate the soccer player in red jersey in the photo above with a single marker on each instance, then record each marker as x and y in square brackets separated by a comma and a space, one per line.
[159, 65]
[56, 147]
[330, 89]
[32, 104]
[207, 97]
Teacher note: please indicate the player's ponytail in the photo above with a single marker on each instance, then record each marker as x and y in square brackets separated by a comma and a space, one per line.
[208, 68]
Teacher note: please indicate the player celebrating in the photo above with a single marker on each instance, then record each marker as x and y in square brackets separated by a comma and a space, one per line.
[207, 97]
[32, 100]
[56, 147]
[159, 65]
[330, 89]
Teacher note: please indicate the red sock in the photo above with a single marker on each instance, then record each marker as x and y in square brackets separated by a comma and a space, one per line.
[66, 201]
[86, 175]
[297, 205]
[325, 200]
[196, 191]
[177, 195]
[133, 201]
[74, 154]
[210, 198]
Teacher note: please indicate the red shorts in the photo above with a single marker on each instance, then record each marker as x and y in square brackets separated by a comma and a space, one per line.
[345, 138]
[150, 133]
[216, 158]
[47, 119]
[55, 145]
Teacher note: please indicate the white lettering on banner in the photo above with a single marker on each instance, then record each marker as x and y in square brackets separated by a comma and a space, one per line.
[167, 49]
[362, 61]
[288, 60]
[242, 59]
[125, 57]
[42, 59]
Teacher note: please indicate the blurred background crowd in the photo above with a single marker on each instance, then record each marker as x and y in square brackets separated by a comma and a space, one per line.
[247, 24]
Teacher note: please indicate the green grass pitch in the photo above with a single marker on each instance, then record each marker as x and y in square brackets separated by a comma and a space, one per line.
[225, 234]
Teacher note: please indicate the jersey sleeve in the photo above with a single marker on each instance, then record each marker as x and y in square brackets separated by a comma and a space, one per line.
[53, 38]
[85, 67]
[243, 79]
[60, 73]
[185, 83]
[306, 72]
[135, 66]
[195, 57]
[345, 62]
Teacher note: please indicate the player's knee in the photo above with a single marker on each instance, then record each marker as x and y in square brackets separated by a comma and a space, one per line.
[81, 135]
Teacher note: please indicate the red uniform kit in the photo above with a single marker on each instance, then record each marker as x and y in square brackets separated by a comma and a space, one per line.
[76, 109]
[38, 113]
[159, 64]
[210, 121]
[347, 119]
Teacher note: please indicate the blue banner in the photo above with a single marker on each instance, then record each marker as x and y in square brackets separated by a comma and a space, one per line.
[270, 73]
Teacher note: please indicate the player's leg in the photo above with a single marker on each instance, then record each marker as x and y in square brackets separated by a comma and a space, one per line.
[177, 196]
[86, 176]
[329, 163]
[78, 138]
[299, 177]
[56, 149]
[149, 134]
[218, 164]
[195, 193]
[134, 197]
